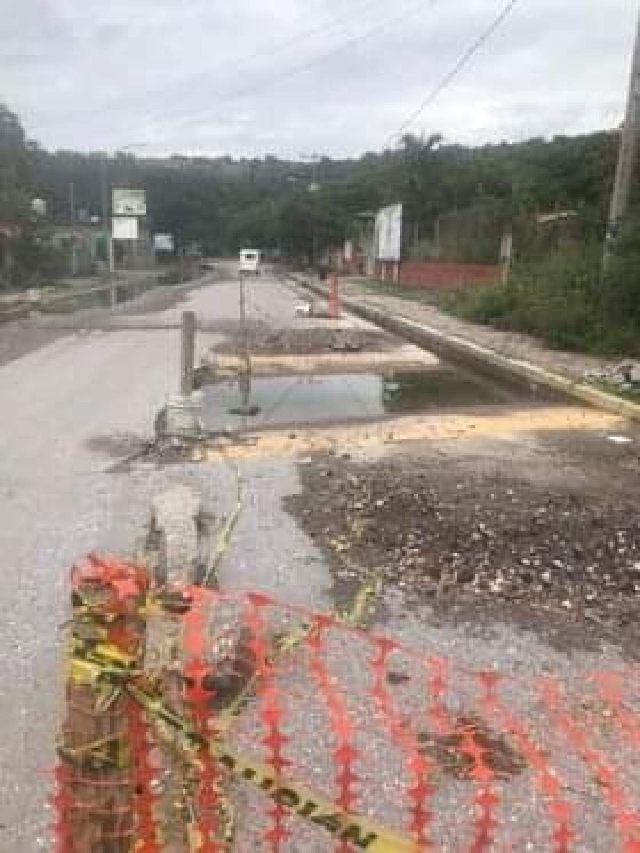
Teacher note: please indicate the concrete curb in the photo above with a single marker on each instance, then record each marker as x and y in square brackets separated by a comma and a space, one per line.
[482, 359]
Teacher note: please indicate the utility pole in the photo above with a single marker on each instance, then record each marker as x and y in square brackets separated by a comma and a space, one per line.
[72, 219]
[106, 224]
[626, 157]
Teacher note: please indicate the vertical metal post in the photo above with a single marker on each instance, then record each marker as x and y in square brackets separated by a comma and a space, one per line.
[188, 352]
[245, 382]
[106, 224]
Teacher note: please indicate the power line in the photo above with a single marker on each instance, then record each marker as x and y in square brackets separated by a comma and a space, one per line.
[318, 60]
[389, 22]
[450, 76]
[273, 49]
[282, 46]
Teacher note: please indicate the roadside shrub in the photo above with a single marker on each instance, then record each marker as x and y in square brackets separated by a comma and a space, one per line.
[563, 300]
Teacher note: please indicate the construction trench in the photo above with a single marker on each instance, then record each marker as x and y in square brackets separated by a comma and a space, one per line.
[210, 707]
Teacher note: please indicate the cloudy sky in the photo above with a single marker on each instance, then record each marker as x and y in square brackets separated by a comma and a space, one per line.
[296, 77]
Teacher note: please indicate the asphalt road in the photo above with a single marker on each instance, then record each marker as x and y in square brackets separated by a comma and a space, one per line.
[68, 383]
[90, 386]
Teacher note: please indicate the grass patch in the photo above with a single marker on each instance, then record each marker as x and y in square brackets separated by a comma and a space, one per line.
[561, 300]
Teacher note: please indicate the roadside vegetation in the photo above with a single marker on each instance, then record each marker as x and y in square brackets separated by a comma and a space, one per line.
[565, 300]
[458, 202]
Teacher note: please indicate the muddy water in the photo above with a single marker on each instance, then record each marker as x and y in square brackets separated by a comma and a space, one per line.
[284, 400]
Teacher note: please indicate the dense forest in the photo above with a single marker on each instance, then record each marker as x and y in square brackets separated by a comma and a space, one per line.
[223, 203]
[458, 201]
[300, 207]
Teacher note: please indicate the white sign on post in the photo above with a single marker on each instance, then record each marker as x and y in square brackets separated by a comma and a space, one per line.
[128, 202]
[388, 234]
[124, 228]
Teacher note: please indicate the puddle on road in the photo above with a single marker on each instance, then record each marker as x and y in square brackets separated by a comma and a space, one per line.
[286, 400]
[470, 748]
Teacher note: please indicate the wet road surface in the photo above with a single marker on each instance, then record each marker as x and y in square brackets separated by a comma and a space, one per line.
[107, 377]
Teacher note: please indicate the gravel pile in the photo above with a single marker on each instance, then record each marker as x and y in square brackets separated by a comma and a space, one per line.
[314, 340]
[453, 542]
[623, 377]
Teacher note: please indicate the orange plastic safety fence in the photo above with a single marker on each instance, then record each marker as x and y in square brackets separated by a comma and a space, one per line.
[198, 698]
[546, 779]
[344, 728]
[106, 783]
[145, 780]
[273, 717]
[417, 767]
[342, 723]
[63, 803]
[626, 820]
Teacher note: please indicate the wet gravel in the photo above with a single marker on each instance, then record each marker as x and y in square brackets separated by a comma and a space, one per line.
[470, 543]
[264, 339]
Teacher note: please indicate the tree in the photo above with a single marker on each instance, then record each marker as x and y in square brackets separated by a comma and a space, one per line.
[14, 168]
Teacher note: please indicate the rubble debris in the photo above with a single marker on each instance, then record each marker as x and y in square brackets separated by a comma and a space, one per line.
[310, 340]
[495, 543]
[623, 377]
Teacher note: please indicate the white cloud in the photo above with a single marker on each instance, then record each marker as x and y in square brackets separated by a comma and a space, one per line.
[236, 78]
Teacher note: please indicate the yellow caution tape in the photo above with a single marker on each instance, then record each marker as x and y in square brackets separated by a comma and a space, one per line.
[343, 825]
[96, 664]
[108, 753]
[224, 540]
[109, 664]
[358, 613]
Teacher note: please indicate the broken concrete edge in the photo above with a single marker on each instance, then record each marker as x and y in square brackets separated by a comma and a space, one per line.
[180, 417]
[482, 359]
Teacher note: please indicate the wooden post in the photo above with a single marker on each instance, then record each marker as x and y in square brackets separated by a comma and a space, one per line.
[188, 352]
[96, 797]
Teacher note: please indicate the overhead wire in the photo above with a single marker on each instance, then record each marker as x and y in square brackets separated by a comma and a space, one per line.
[272, 49]
[360, 37]
[453, 72]
[277, 78]
[281, 47]
[240, 62]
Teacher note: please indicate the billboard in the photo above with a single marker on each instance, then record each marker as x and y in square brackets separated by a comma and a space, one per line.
[128, 202]
[388, 234]
[124, 228]
[163, 242]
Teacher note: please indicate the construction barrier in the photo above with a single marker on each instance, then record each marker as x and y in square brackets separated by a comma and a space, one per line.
[238, 722]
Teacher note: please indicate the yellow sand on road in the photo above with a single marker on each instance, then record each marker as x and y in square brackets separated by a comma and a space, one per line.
[407, 357]
[419, 428]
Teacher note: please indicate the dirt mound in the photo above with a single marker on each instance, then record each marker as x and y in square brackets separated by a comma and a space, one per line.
[500, 544]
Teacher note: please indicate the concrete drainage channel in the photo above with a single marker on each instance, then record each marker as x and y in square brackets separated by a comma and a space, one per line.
[256, 392]
[481, 360]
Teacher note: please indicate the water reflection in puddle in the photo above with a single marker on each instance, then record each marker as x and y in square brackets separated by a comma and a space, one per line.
[283, 400]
